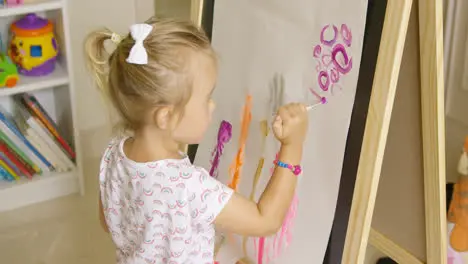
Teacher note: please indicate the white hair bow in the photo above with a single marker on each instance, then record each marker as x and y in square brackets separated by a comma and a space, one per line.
[138, 54]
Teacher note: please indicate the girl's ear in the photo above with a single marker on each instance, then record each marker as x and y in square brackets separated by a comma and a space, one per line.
[162, 117]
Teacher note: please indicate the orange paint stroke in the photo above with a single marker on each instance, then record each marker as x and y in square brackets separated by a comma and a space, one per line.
[236, 166]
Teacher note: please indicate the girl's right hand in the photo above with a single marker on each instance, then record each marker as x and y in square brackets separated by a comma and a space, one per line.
[291, 123]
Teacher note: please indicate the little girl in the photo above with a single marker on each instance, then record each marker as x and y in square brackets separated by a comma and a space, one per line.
[158, 207]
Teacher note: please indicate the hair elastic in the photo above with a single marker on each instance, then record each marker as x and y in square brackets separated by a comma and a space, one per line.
[116, 38]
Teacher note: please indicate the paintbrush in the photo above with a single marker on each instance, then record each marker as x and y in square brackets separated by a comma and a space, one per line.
[312, 106]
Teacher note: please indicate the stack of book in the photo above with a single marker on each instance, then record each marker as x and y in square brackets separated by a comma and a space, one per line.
[30, 142]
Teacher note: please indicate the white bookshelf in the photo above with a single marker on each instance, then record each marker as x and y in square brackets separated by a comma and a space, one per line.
[35, 6]
[30, 84]
[56, 93]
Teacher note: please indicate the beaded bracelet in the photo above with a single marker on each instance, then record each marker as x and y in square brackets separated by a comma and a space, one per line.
[296, 169]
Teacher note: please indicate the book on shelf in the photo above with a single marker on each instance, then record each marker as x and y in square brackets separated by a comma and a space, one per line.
[10, 164]
[4, 175]
[30, 142]
[18, 152]
[36, 108]
[32, 127]
[11, 173]
[23, 167]
[12, 132]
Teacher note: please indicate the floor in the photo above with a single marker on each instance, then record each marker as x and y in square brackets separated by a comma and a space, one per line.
[65, 230]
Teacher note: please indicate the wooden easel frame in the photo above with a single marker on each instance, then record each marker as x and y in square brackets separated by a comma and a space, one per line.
[196, 11]
[376, 131]
[431, 40]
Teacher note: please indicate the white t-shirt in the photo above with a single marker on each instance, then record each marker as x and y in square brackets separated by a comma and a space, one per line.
[161, 211]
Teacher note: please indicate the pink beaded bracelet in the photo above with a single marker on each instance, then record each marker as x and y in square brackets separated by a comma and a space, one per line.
[296, 169]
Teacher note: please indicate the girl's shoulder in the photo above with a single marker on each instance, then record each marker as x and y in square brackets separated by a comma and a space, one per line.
[112, 147]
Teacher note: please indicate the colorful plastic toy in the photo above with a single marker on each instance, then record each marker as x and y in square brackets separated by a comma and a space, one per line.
[8, 72]
[14, 2]
[33, 45]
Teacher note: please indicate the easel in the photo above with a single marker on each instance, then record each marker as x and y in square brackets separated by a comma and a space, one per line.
[359, 231]
[433, 127]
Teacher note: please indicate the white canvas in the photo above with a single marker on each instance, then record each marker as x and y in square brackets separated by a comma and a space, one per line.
[269, 44]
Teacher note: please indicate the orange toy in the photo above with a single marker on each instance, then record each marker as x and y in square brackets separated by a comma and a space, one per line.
[458, 211]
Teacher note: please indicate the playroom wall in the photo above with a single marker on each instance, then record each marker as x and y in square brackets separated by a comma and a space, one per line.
[399, 210]
[93, 117]
[177, 8]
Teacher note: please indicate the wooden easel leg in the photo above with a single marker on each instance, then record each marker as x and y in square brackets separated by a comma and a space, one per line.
[433, 127]
[376, 130]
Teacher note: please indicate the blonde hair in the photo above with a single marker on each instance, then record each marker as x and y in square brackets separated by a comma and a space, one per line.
[165, 80]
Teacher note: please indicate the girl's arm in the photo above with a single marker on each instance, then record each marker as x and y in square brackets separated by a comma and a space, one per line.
[245, 217]
[102, 218]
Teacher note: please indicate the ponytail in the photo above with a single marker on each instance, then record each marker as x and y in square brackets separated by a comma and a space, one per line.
[97, 57]
[97, 61]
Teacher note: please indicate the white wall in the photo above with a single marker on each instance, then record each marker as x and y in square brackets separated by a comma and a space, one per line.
[117, 15]
[93, 115]
[455, 134]
[177, 8]
[144, 9]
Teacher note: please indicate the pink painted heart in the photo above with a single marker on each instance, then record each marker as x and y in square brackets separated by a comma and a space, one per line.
[340, 59]
[323, 80]
[327, 40]
[346, 35]
[334, 75]
[317, 51]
